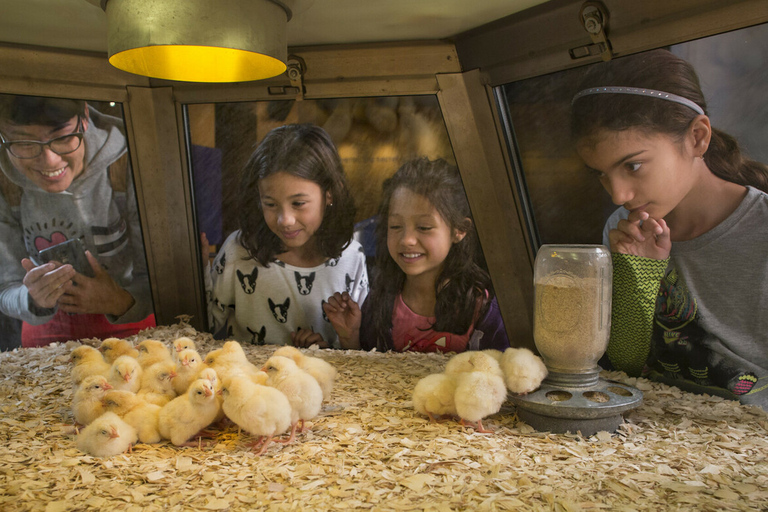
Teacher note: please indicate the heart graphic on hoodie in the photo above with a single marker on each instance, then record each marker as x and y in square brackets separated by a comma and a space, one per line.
[43, 243]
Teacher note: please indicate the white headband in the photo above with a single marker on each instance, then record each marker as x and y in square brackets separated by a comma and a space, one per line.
[640, 92]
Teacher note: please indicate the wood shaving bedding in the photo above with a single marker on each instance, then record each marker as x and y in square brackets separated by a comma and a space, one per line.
[369, 450]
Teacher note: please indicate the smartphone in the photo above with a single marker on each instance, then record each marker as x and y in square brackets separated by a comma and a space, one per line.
[72, 252]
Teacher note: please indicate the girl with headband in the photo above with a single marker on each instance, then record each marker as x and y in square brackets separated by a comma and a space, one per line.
[690, 238]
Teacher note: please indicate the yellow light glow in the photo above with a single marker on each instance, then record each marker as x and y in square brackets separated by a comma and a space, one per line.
[197, 63]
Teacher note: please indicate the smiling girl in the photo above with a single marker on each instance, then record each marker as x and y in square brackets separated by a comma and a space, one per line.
[690, 239]
[293, 248]
[429, 293]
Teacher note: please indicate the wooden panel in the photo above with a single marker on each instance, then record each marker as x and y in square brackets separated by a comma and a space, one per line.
[479, 154]
[536, 41]
[163, 190]
[65, 74]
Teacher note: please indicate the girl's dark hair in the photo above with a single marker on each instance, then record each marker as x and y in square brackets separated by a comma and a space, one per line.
[305, 151]
[663, 71]
[37, 110]
[462, 281]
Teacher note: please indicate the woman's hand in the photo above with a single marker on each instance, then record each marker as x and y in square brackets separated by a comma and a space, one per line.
[304, 338]
[641, 235]
[99, 294]
[345, 317]
[46, 283]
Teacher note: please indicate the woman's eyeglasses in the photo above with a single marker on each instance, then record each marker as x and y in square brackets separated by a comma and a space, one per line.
[32, 149]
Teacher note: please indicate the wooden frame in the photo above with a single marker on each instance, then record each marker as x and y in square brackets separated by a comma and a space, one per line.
[531, 43]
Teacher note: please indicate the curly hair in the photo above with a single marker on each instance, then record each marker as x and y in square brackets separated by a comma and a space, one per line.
[305, 151]
[663, 71]
[461, 283]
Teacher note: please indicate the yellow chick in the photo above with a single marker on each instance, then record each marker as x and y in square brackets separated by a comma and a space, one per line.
[106, 436]
[112, 348]
[523, 370]
[480, 388]
[136, 412]
[187, 369]
[209, 374]
[181, 344]
[496, 354]
[157, 383]
[88, 361]
[261, 411]
[125, 374]
[321, 370]
[186, 415]
[434, 396]
[86, 404]
[300, 388]
[230, 360]
[151, 352]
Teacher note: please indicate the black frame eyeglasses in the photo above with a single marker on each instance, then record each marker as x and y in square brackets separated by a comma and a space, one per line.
[27, 149]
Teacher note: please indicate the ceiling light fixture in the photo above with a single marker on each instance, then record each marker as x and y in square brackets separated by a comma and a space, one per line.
[198, 40]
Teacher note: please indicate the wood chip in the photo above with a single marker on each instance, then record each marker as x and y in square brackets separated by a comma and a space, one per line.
[369, 450]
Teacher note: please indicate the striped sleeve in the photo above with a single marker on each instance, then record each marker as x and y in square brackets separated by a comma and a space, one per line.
[636, 283]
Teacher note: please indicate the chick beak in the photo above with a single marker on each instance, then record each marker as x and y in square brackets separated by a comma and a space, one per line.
[185, 362]
[207, 392]
[127, 377]
[102, 349]
[107, 385]
[220, 392]
[171, 375]
[264, 368]
[113, 433]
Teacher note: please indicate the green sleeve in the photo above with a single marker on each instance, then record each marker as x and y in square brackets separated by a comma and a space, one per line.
[636, 283]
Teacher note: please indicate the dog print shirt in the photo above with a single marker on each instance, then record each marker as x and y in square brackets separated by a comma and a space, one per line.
[256, 304]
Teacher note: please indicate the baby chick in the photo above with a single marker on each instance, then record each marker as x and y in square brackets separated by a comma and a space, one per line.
[157, 383]
[136, 412]
[523, 370]
[112, 348]
[322, 371]
[181, 344]
[209, 374]
[151, 352]
[480, 388]
[300, 388]
[259, 410]
[125, 374]
[186, 415]
[187, 369]
[434, 396]
[107, 435]
[229, 360]
[88, 361]
[86, 404]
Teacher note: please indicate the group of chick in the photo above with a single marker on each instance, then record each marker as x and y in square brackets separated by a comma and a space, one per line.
[474, 384]
[126, 394]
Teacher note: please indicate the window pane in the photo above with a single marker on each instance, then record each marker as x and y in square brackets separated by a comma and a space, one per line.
[373, 136]
[54, 207]
[568, 205]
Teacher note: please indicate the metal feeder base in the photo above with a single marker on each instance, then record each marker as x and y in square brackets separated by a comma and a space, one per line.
[585, 409]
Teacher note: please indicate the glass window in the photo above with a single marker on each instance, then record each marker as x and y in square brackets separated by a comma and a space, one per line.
[68, 214]
[567, 204]
[373, 137]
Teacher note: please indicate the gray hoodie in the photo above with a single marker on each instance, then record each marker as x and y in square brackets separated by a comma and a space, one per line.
[106, 220]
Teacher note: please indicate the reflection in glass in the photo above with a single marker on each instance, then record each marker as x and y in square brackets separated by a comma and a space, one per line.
[66, 188]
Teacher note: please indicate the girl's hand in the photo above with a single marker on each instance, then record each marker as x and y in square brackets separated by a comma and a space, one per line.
[641, 235]
[46, 283]
[345, 317]
[97, 295]
[304, 338]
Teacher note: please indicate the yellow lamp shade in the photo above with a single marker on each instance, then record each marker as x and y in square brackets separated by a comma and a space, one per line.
[198, 40]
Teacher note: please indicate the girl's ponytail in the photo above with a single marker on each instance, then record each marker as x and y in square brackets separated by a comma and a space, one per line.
[725, 159]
